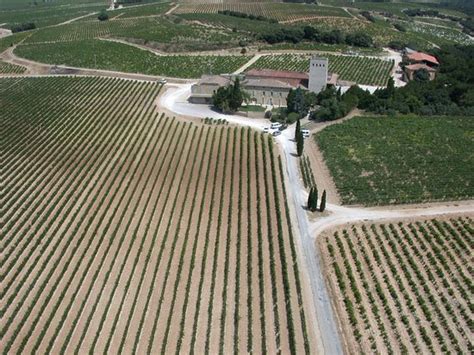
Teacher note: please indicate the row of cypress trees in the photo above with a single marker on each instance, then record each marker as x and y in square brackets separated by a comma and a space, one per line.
[313, 193]
[313, 200]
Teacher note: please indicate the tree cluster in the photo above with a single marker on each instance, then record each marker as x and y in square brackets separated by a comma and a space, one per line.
[451, 93]
[309, 33]
[334, 105]
[23, 27]
[229, 99]
[247, 16]
[368, 16]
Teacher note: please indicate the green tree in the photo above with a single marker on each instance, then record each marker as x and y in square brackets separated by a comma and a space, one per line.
[322, 206]
[229, 98]
[103, 15]
[296, 102]
[421, 75]
[310, 203]
[297, 129]
[299, 143]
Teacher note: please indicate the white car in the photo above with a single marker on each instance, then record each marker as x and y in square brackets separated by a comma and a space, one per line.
[275, 125]
[305, 133]
[266, 130]
[276, 133]
[162, 81]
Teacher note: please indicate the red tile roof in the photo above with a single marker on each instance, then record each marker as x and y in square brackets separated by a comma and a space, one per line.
[420, 57]
[419, 66]
[267, 73]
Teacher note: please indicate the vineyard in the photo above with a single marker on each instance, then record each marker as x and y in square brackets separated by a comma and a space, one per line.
[122, 57]
[148, 29]
[403, 287]
[382, 160]
[127, 231]
[7, 68]
[362, 70]
[277, 11]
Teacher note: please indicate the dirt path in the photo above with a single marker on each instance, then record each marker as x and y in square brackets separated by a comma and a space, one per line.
[248, 64]
[170, 11]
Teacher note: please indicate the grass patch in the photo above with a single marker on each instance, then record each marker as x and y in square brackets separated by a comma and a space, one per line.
[378, 160]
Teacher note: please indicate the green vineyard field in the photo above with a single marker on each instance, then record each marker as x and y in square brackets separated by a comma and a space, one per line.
[377, 160]
[403, 287]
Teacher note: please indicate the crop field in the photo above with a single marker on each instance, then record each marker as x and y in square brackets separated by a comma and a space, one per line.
[403, 287]
[382, 160]
[150, 29]
[277, 11]
[7, 68]
[439, 34]
[48, 15]
[122, 57]
[362, 70]
[140, 233]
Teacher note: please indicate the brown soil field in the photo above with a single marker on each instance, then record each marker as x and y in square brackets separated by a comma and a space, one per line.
[125, 231]
[402, 286]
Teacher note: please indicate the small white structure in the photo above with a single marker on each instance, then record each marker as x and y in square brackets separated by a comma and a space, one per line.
[318, 74]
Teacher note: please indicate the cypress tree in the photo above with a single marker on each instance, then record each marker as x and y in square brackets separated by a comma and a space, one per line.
[310, 200]
[298, 129]
[315, 198]
[322, 206]
[299, 143]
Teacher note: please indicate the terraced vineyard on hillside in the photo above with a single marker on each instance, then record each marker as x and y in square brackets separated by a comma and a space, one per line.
[403, 287]
[122, 57]
[277, 11]
[140, 233]
[362, 70]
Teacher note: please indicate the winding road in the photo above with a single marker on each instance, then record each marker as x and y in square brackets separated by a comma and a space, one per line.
[326, 329]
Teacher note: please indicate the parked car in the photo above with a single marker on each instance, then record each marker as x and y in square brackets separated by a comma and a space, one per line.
[305, 133]
[162, 81]
[275, 125]
[266, 130]
[276, 133]
[283, 127]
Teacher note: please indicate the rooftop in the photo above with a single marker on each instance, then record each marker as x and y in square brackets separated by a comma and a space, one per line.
[419, 57]
[266, 83]
[267, 73]
[419, 66]
[218, 80]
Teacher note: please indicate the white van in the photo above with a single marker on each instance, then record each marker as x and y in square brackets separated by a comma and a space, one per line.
[275, 125]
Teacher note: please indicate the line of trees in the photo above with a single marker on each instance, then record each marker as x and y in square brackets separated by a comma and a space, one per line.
[247, 16]
[23, 27]
[309, 33]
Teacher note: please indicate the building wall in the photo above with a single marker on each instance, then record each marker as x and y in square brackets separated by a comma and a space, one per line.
[267, 96]
[318, 74]
[204, 89]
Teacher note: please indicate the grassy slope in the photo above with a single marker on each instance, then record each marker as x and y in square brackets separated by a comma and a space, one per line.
[400, 160]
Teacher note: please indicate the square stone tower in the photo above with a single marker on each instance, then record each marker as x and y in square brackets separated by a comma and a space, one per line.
[318, 74]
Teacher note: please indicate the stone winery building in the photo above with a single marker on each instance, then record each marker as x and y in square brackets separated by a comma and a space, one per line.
[267, 87]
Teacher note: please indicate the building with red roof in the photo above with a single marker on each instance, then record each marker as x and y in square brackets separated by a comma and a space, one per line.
[420, 57]
[420, 61]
